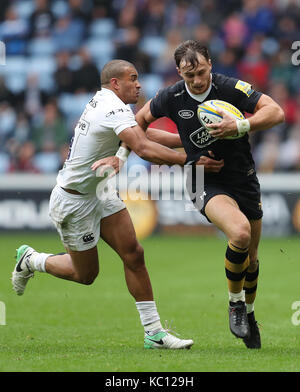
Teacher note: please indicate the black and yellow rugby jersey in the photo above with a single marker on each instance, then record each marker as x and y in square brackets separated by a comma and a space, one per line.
[176, 103]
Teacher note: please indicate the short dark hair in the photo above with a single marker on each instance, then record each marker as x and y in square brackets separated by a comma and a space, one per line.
[114, 69]
[188, 50]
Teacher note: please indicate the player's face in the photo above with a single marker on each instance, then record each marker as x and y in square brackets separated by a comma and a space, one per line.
[129, 86]
[197, 79]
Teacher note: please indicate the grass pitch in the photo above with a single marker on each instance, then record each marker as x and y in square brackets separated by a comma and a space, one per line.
[63, 326]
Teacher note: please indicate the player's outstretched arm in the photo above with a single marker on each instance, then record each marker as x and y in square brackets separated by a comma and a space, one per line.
[144, 117]
[168, 139]
[137, 141]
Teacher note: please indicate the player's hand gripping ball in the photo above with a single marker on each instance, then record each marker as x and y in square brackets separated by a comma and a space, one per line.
[208, 114]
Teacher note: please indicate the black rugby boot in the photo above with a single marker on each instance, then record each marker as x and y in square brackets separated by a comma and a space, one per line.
[253, 341]
[238, 320]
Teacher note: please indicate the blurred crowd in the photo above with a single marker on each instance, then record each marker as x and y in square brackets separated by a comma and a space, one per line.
[55, 50]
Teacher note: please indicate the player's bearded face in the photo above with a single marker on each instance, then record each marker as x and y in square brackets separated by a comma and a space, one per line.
[130, 86]
[197, 78]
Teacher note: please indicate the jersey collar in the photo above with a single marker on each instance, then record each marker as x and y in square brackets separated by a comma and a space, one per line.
[200, 97]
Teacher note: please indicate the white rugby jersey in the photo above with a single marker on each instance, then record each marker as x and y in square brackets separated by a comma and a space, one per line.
[95, 137]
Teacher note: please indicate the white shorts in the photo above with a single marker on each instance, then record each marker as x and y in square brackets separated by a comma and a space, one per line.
[77, 217]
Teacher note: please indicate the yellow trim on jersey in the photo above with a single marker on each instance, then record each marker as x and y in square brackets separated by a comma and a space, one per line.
[245, 87]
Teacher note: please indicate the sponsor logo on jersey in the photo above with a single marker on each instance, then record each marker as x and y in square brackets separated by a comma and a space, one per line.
[88, 238]
[201, 138]
[93, 103]
[245, 87]
[122, 110]
[186, 114]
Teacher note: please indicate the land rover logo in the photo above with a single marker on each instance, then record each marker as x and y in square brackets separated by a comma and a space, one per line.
[201, 138]
[186, 114]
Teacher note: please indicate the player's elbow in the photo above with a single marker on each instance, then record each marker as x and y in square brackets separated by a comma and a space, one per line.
[278, 115]
[281, 115]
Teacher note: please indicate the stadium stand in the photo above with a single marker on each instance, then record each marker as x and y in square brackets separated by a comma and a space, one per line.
[55, 51]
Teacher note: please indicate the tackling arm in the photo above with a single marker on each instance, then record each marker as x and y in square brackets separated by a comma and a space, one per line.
[137, 141]
[144, 117]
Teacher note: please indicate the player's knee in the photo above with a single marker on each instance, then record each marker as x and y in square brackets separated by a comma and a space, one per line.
[88, 278]
[242, 236]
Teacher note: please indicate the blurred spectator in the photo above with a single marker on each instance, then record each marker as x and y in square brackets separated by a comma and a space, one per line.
[41, 20]
[254, 68]
[128, 14]
[211, 15]
[47, 160]
[235, 32]
[129, 50]
[228, 7]
[22, 128]
[287, 31]
[283, 71]
[7, 123]
[52, 130]
[14, 33]
[266, 154]
[23, 159]
[68, 33]
[5, 94]
[183, 15]
[226, 63]
[63, 76]
[81, 9]
[104, 9]
[280, 94]
[258, 17]
[3, 8]
[289, 152]
[204, 34]
[33, 98]
[87, 76]
[165, 62]
[151, 21]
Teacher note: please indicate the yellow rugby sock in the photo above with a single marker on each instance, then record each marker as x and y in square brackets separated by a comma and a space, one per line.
[250, 285]
[236, 264]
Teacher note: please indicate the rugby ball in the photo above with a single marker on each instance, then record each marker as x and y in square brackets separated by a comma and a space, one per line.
[207, 114]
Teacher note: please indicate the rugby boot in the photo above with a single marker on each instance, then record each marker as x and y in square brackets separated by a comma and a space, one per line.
[238, 320]
[253, 341]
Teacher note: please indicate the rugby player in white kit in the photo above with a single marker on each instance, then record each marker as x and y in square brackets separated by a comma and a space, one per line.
[81, 217]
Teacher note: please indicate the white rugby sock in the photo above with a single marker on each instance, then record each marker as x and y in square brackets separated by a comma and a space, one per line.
[38, 261]
[250, 308]
[235, 297]
[149, 316]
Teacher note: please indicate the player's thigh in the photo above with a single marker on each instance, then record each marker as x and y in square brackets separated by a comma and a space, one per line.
[256, 227]
[224, 212]
[118, 232]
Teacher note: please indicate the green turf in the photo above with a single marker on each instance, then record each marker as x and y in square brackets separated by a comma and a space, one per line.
[62, 326]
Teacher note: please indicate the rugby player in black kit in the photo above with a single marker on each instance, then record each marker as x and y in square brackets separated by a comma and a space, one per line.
[232, 194]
